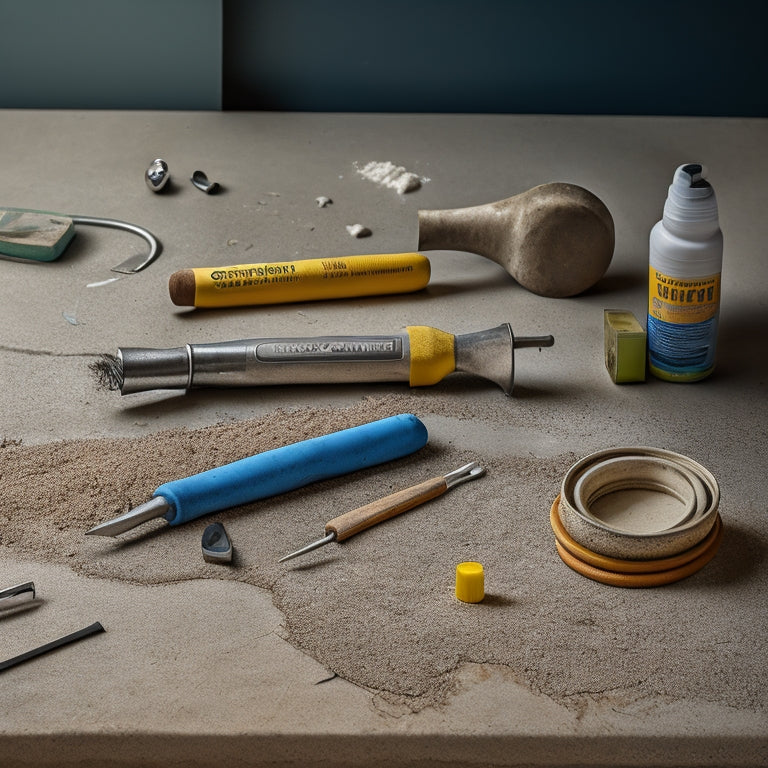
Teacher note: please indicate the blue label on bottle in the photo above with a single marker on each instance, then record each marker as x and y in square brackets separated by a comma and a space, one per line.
[681, 352]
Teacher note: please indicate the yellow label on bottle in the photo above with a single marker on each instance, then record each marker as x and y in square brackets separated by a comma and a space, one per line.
[682, 300]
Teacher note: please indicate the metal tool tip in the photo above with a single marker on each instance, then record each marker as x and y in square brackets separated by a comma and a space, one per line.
[156, 507]
[463, 474]
[534, 341]
[327, 539]
[13, 596]
[101, 530]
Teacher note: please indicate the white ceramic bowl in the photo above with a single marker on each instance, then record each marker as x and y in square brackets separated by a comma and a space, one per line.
[638, 503]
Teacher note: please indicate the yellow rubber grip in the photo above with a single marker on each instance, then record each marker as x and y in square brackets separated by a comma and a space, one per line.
[432, 355]
[282, 282]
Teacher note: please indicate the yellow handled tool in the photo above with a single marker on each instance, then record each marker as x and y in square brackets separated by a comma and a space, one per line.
[421, 355]
[281, 282]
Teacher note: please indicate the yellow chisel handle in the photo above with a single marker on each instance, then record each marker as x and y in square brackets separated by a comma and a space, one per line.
[281, 282]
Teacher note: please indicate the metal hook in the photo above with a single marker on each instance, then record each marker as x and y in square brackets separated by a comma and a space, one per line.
[134, 263]
[20, 238]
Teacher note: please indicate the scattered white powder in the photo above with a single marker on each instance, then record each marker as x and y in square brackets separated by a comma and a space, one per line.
[358, 230]
[322, 202]
[388, 174]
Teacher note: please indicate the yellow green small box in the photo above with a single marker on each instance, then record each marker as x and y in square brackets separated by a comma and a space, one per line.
[625, 346]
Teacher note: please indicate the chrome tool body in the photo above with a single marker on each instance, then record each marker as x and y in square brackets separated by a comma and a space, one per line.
[274, 472]
[350, 523]
[421, 356]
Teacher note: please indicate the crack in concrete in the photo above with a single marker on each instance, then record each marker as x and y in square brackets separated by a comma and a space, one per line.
[45, 352]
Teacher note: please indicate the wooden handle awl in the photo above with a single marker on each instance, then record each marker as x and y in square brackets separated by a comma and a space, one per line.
[350, 523]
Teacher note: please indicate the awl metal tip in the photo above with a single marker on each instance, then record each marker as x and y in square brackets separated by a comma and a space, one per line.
[155, 507]
[310, 547]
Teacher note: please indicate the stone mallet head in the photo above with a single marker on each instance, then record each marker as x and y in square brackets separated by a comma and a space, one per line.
[556, 239]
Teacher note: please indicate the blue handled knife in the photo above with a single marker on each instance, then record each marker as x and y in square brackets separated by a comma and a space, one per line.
[274, 472]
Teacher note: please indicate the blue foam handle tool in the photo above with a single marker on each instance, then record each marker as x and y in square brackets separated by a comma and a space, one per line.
[292, 466]
[274, 472]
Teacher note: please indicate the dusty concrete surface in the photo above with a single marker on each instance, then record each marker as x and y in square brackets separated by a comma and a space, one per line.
[202, 670]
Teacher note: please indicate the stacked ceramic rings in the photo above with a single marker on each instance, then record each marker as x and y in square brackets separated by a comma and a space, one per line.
[637, 517]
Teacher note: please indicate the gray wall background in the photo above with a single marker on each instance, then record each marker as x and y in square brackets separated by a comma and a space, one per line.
[673, 57]
[109, 54]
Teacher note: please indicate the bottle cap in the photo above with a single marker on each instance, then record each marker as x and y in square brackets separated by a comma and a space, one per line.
[690, 197]
[470, 582]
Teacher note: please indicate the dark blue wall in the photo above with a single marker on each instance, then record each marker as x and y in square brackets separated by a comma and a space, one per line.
[673, 57]
[139, 54]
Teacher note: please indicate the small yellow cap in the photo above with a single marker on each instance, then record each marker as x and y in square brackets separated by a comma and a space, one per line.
[470, 582]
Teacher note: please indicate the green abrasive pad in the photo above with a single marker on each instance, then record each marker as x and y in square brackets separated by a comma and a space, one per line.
[36, 235]
[625, 344]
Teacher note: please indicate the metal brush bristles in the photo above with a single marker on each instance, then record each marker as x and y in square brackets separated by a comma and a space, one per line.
[108, 371]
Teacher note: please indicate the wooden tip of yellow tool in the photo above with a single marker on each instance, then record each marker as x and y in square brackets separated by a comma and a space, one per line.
[181, 287]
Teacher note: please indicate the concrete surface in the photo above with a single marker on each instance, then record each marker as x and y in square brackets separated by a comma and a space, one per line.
[152, 690]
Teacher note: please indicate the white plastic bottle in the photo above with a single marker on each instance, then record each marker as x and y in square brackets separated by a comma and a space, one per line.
[686, 257]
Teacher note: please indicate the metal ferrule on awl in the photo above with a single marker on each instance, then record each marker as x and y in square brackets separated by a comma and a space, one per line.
[420, 355]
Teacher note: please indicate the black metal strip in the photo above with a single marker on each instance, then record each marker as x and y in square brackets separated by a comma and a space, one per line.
[93, 629]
